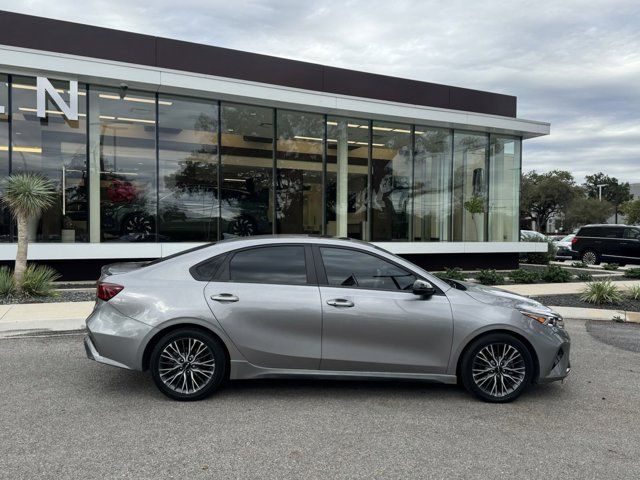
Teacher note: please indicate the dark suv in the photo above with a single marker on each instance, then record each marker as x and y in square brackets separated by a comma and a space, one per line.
[612, 243]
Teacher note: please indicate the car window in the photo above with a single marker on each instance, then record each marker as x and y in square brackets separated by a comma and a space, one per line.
[568, 238]
[611, 232]
[590, 232]
[277, 264]
[633, 233]
[349, 268]
[204, 271]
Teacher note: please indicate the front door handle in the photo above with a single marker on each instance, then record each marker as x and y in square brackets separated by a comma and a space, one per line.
[224, 297]
[340, 302]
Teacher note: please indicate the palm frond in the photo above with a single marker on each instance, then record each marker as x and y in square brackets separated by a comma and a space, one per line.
[27, 194]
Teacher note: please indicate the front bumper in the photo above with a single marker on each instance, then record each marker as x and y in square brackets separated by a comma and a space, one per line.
[115, 339]
[556, 364]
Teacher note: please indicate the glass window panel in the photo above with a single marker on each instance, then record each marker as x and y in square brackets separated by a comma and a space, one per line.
[188, 207]
[5, 217]
[299, 172]
[504, 189]
[247, 170]
[123, 139]
[348, 268]
[282, 264]
[470, 152]
[432, 185]
[347, 177]
[57, 149]
[391, 170]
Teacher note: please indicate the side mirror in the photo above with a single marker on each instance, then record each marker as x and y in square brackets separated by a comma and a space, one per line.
[423, 288]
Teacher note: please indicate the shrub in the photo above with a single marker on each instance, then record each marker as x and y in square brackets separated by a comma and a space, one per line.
[599, 293]
[7, 282]
[38, 281]
[579, 265]
[522, 275]
[489, 277]
[633, 292]
[555, 274]
[542, 258]
[632, 273]
[611, 266]
[454, 273]
[584, 276]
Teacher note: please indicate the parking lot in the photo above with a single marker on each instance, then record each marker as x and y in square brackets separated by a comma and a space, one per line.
[64, 417]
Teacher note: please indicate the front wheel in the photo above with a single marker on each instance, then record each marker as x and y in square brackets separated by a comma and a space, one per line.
[188, 364]
[497, 368]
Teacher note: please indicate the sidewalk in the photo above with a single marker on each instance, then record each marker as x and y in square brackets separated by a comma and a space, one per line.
[557, 288]
[49, 317]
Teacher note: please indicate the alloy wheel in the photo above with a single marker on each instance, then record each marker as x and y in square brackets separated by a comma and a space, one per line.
[243, 227]
[186, 365]
[589, 258]
[498, 369]
[138, 224]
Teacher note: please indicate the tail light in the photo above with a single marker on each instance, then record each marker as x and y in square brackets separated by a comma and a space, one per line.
[574, 240]
[106, 291]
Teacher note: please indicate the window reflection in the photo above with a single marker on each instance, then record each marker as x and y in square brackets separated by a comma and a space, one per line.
[122, 132]
[432, 185]
[299, 172]
[504, 189]
[347, 177]
[247, 170]
[57, 149]
[188, 181]
[469, 186]
[391, 169]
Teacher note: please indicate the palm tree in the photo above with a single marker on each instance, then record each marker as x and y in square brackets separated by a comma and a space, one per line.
[27, 195]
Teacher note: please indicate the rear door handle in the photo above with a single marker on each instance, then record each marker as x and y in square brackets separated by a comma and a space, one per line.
[340, 302]
[224, 297]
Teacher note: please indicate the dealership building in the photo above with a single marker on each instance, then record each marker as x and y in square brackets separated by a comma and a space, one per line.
[157, 145]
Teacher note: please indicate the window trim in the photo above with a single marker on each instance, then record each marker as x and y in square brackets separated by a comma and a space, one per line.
[323, 280]
[224, 272]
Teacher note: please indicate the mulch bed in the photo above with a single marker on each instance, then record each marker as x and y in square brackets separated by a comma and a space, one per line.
[62, 296]
[573, 300]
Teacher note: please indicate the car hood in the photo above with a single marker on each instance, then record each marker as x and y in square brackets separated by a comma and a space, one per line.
[496, 296]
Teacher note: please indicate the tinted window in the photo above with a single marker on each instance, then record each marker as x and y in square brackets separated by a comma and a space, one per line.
[205, 271]
[590, 232]
[611, 232]
[281, 264]
[631, 233]
[348, 268]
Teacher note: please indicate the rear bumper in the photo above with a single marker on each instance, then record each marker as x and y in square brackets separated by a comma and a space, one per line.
[115, 339]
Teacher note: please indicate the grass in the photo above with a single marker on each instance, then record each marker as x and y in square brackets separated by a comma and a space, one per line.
[454, 273]
[7, 282]
[522, 275]
[490, 277]
[633, 292]
[555, 274]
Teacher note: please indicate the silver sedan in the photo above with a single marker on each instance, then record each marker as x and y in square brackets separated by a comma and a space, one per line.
[303, 306]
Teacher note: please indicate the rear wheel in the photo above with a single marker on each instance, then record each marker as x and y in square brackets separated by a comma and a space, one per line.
[497, 368]
[590, 257]
[188, 364]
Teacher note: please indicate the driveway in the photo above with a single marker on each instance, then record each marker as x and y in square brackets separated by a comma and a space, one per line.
[64, 417]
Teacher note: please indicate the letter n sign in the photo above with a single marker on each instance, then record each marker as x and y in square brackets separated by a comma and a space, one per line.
[44, 87]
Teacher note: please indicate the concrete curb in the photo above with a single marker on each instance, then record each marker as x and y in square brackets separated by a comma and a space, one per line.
[578, 313]
[536, 289]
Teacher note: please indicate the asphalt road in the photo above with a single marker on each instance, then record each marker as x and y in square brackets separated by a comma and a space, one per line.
[64, 417]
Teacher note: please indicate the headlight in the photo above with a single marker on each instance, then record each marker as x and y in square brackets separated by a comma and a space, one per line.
[546, 317]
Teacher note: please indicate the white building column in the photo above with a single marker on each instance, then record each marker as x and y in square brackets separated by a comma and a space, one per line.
[342, 179]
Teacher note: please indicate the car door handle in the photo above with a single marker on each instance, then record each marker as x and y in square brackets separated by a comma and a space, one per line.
[340, 302]
[224, 297]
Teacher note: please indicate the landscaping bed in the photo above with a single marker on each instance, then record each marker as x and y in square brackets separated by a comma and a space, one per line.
[70, 295]
[573, 300]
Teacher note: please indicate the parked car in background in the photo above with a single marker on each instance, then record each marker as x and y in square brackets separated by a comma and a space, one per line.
[532, 236]
[610, 243]
[312, 307]
[563, 248]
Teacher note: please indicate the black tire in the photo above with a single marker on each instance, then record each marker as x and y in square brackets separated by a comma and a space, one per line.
[590, 257]
[471, 357]
[217, 354]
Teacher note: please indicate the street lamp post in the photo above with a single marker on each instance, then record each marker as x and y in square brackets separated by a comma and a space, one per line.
[600, 190]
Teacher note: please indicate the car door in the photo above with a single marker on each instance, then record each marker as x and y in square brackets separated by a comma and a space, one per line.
[611, 242]
[371, 319]
[267, 300]
[631, 243]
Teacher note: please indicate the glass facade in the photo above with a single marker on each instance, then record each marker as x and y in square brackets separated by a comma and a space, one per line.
[144, 167]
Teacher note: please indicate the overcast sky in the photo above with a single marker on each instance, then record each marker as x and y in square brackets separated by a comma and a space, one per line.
[575, 64]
